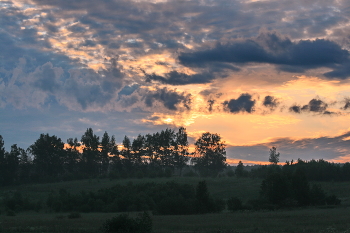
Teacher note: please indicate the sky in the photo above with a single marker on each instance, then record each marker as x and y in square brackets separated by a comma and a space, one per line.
[259, 73]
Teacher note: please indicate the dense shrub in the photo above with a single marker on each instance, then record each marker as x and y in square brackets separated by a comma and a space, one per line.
[286, 189]
[234, 204]
[125, 224]
[332, 200]
[16, 202]
[74, 215]
[169, 198]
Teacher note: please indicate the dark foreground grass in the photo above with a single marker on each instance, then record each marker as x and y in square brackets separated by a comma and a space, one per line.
[298, 220]
[312, 220]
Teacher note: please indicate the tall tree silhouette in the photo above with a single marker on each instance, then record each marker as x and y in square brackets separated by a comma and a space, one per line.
[166, 143]
[152, 149]
[138, 149]
[128, 159]
[211, 154]
[73, 155]
[274, 155]
[12, 160]
[2, 159]
[48, 155]
[180, 152]
[239, 169]
[108, 148]
[90, 157]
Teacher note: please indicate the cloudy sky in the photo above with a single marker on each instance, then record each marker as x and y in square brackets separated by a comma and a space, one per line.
[260, 73]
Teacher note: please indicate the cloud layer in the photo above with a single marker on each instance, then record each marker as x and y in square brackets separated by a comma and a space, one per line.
[135, 66]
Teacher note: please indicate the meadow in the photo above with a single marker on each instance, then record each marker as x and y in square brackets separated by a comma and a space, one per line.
[310, 219]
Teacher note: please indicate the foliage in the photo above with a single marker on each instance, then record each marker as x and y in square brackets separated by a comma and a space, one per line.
[274, 156]
[74, 215]
[314, 170]
[210, 151]
[234, 204]
[16, 202]
[124, 224]
[240, 170]
[167, 199]
[293, 189]
[161, 154]
[204, 203]
[48, 156]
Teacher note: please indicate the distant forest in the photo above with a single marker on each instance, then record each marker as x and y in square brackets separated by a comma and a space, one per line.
[161, 154]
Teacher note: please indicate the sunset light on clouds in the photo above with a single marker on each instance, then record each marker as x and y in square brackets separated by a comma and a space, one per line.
[260, 73]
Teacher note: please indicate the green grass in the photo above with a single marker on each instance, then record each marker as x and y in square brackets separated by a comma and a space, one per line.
[310, 220]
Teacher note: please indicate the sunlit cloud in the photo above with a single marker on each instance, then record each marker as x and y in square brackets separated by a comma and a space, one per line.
[235, 68]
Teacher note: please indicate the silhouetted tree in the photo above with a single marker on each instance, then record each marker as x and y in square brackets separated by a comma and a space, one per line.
[138, 149]
[180, 152]
[72, 156]
[211, 154]
[239, 169]
[48, 152]
[90, 156]
[108, 148]
[166, 143]
[203, 202]
[274, 156]
[25, 166]
[152, 148]
[2, 160]
[128, 158]
[11, 162]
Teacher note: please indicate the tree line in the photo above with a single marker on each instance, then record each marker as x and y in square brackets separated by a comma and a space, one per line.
[159, 154]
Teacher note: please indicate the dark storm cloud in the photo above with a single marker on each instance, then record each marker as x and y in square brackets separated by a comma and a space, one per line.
[315, 106]
[270, 48]
[169, 98]
[244, 103]
[306, 149]
[342, 71]
[270, 102]
[177, 78]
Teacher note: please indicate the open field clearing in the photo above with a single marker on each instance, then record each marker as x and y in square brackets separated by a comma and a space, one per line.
[299, 220]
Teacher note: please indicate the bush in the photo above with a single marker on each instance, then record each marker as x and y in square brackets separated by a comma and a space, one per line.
[74, 215]
[230, 173]
[124, 224]
[10, 212]
[234, 204]
[333, 200]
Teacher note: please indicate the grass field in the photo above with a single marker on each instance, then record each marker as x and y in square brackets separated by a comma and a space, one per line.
[296, 220]
[300, 220]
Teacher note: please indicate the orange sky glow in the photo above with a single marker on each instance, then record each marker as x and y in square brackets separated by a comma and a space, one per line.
[260, 73]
